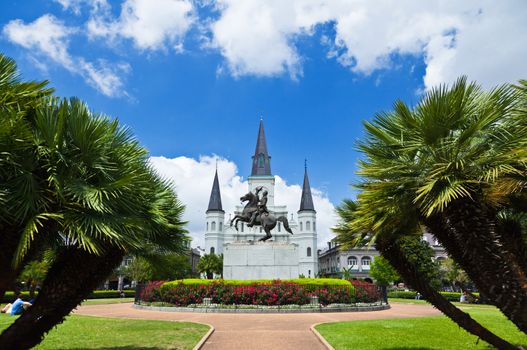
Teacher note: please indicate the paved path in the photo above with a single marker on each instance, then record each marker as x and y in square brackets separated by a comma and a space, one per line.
[259, 331]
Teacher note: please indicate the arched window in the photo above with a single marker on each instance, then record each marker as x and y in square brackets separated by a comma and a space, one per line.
[301, 227]
[260, 229]
[243, 226]
[365, 262]
[213, 226]
[352, 262]
[308, 251]
[207, 226]
[308, 225]
[314, 226]
[279, 227]
[221, 226]
[212, 250]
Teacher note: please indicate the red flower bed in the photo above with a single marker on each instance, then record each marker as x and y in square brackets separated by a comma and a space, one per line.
[366, 292]
[271, 293]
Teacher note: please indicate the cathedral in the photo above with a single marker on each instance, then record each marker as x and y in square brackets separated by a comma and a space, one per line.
[285, 255]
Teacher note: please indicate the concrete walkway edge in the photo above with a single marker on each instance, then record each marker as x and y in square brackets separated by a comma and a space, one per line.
[320, 337]
[205, 337]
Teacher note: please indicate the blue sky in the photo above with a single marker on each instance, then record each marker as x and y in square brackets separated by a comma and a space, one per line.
[191, 78]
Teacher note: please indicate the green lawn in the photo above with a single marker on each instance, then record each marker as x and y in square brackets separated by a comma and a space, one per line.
[85, 332]
[107, 301]
[419, 333]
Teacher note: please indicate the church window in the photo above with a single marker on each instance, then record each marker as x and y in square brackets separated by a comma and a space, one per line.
[212, 250]
[221, 226]
[352, 262]
[207, 226]
[213, 226]
[279, 227]
[260, 229]
[314, 226]
[308, 226]
[308, 251]
[261, 160]
[242, 226]
[301, 227]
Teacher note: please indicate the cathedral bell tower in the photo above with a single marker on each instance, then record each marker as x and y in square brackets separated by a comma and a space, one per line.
[261, 169]
[215, 220]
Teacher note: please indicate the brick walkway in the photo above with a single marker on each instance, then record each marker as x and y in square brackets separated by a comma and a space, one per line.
[259, 331]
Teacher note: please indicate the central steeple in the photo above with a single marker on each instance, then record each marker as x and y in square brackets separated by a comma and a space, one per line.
[261, 159]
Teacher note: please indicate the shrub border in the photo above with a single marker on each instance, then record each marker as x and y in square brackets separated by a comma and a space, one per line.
[277, 310]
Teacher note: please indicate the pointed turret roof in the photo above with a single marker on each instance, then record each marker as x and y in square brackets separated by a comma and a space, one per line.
[215, 196]
[261, 159]
[306, 202]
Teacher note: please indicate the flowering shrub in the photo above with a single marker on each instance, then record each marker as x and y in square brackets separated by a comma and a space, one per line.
[152, 291]
[366, 292]
[185, 292]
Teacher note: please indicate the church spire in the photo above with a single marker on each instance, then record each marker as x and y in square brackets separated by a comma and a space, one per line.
[306, 202]
[215, 196]
[261, 159]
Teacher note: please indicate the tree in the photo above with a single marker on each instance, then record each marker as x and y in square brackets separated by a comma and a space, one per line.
[383, 272]
[211, 264]
[81, 185]
[139, 270]
[33, 275]
[453, 164]
[396, 242]
[454, 275]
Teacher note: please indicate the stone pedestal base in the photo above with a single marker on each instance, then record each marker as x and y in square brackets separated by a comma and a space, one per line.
[260, 260]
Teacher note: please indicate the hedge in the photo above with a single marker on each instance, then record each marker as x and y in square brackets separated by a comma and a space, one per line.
[254, 292]
[450, 296]
[9, 297]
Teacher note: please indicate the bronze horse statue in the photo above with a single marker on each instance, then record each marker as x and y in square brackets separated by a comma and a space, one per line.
[267, 221]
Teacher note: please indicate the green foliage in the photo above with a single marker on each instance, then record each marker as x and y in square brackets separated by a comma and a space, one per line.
[421, 255]
[210, 264]
[450, 296]
[139, 270]
[170, 267]
[102, 294]
[453, 274]
[315, 282]
[383, 272]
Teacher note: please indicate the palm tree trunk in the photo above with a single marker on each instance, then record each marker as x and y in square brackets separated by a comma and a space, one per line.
[468, 233]
[8, 244]
[393, 252]
[72, 277]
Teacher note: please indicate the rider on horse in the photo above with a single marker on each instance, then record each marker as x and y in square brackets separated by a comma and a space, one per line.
[262, 206]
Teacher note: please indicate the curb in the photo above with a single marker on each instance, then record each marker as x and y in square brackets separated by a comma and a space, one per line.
[260, 311]
[205, 337]
[320, 337]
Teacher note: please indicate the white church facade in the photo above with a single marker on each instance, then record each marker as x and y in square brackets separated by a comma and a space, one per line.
[285, 255]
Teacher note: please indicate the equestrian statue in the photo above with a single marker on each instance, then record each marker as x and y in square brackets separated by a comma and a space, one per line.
[255, 213]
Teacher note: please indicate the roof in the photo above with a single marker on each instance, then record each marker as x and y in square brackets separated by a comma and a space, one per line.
[215, 196]
[261, 158]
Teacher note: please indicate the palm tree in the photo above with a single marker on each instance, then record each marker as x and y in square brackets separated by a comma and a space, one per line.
[452, 164]
[93, 198]
[33, 275]
[400, 246]
[209, 264]
[18, 100]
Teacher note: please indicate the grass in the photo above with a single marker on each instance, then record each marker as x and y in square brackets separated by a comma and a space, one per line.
[107, 301]
[419, 333]
[86, 332]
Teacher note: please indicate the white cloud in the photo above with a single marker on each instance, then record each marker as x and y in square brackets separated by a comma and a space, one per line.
[151, 25]
[75, 5]
[193, 181]
[49, 37]
[478, 38]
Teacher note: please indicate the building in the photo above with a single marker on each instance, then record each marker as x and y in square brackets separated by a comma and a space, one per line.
[219, 234]
[333, 260]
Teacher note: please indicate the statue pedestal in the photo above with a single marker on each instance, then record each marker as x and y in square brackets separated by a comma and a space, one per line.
[260, 260]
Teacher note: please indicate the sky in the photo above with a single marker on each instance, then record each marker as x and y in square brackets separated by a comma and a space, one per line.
[193, 78]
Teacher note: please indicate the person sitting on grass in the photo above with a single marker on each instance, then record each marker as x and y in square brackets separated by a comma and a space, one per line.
[18, 306]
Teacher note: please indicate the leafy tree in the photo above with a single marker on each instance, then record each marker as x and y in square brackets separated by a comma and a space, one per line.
[139, 270]
[383, 272]
[453, 274]
[453, 163]
[171, 267]
[211, 264]
[33, 275]
[78, 183]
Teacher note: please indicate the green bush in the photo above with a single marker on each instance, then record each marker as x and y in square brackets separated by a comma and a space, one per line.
[450, 296]
[103, 294]
[9, 297]
[258, 292]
